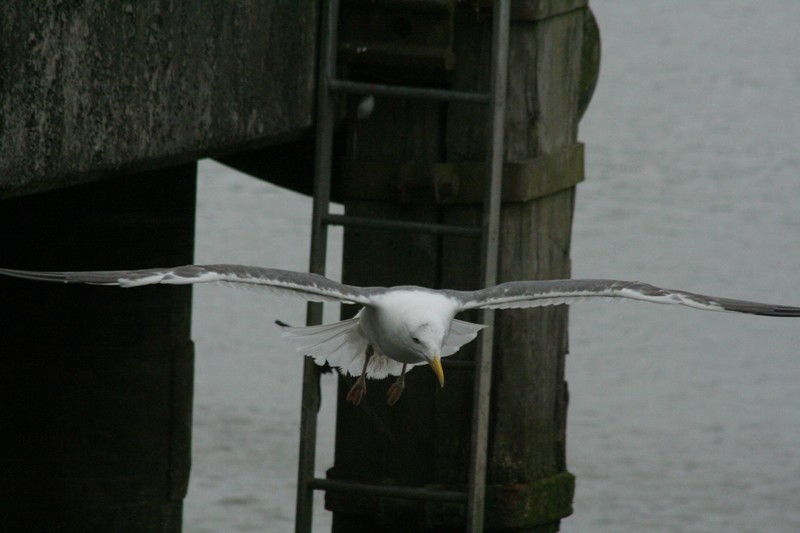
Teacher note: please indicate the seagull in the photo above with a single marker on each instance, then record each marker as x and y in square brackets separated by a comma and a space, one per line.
[404, 326]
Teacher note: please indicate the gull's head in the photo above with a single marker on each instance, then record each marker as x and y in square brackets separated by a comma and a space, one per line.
[410, 325]
[425, 338]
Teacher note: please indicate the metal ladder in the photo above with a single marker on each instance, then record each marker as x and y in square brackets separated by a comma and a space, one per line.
[328, 86]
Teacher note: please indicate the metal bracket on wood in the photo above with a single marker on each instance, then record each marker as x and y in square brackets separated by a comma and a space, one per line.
[461, 183]
[523, 181]
[520, 505]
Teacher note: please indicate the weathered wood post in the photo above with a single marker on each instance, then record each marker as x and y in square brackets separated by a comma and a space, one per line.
[422, 161]
[97, 386]
[95, 391]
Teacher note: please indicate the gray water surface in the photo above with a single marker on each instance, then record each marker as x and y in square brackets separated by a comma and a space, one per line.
[679, 420]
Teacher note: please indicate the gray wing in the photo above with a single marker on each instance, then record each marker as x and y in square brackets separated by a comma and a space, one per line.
[554, 292]
[311, 287]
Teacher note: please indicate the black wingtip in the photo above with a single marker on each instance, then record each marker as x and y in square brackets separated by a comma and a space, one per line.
[783, 311]
[753, 308]
[33, 275]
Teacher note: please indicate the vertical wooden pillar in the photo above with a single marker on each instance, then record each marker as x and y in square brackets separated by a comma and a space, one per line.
[423, 159]
[96, 386]
[375, 442]
[529, 399]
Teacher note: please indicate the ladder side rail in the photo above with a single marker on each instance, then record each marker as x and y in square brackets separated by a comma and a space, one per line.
[322, 184]
[491, 226]
[319, 241]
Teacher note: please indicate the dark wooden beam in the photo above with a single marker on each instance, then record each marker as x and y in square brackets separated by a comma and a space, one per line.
[96, 390]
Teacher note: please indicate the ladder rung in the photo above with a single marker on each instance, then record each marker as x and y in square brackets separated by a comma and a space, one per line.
[406, 493]
[408, 92]
[402, 225]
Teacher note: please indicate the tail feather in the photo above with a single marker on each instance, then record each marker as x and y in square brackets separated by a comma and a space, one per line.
[316, 338]
[381, 366]
[341, 345]
[350, 353]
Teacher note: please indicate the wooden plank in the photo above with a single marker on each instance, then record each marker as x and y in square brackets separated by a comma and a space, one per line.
[529, 395]
[375, 442]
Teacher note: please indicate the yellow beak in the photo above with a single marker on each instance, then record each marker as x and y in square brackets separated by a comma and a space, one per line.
[436, 365]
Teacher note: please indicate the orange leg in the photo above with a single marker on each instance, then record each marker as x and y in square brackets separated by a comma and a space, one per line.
[359, 389]
[396, 390]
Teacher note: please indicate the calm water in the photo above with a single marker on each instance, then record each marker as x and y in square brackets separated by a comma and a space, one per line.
[679, 420]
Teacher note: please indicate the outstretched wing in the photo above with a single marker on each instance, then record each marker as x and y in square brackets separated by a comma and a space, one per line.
[311, 287]
[460, 334]
[567, 291]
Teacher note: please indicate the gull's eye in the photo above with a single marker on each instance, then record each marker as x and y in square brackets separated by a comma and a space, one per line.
[415, 339]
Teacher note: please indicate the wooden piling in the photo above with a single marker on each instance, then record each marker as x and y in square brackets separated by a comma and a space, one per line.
[97, 383]
[422, 159]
